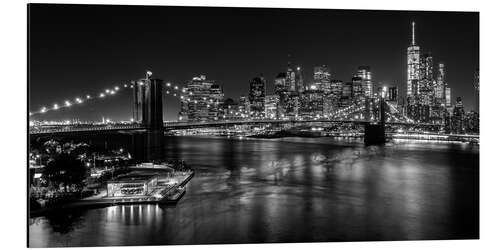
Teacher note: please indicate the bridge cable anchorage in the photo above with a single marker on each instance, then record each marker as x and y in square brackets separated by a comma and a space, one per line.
[81, 99]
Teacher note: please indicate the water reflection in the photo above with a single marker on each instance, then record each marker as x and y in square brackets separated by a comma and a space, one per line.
[293, 190]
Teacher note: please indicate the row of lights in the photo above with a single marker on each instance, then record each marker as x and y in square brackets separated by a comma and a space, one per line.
[80, 100]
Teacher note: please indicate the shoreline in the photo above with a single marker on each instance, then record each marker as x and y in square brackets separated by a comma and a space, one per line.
[103, 202]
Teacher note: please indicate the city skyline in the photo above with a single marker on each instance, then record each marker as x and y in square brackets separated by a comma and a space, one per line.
[159, 125]
[235, 79]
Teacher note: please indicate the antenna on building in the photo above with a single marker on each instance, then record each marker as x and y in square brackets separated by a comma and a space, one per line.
[412, 33]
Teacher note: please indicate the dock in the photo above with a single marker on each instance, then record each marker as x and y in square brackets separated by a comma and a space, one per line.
[171, 196]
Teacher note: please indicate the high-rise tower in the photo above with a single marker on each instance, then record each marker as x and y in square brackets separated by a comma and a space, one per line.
[366, 77]
[256, 96]
[290, 78]
[476, 90]
[413, 55]
[440, 83]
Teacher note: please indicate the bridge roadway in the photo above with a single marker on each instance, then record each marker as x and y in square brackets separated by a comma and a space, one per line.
[60, 129]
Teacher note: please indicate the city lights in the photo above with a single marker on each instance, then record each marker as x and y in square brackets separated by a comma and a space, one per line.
[321, 99]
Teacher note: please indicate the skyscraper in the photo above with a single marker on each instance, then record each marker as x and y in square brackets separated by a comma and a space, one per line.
[426, 83]
[476, 90]
[458, 117]
[202, 100]
[321, 76]
[271, 106]
[413, 56]
[440, 84]
[299, 80]
[357, 88]
[290, 78]
[280, 82]
[392, 94]
[256, 96]
[447, 93]
[366, 80]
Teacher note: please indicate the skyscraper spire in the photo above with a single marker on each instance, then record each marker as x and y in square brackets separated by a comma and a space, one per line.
[412, 33]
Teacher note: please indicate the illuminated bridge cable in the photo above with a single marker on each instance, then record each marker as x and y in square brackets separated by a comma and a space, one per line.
[81, 99]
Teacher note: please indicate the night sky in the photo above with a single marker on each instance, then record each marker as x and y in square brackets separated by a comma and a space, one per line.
[82, 49]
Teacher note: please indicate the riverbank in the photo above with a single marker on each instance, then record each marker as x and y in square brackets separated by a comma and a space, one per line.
[173, 194]
[389, 135]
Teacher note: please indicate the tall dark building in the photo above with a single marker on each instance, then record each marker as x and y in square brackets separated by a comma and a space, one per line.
[290, 78]
[440, 84]
[299, 80]
[476, 90]
[257, 96]
[392, 94]
[458, 117]
[357, 88]
[279, 82]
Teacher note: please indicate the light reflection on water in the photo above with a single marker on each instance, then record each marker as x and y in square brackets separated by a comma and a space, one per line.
[292, 190]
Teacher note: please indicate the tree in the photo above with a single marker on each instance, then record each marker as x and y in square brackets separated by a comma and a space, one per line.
[67, 170]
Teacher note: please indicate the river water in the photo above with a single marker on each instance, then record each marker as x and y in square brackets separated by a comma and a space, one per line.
[292, 190]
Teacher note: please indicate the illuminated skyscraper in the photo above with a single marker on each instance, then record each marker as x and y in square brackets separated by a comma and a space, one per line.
[357, 88]
[426, 84]
[458, 117]
[392, 94]
[321, 76]
[447, 93]
[366, 80]
[440, 83]
[312, 103]
[280, 83]
[413, 55]
[256, 96]
[202, 100]
[271, 106]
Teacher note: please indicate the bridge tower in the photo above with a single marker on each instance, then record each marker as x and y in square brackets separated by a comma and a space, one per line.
[148, 111]
[375, 133]
[148, 105]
